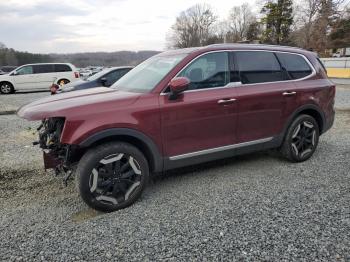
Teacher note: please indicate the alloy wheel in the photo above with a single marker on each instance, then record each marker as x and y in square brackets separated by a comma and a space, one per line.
[5, 88]
[115, 178]
[304, 139]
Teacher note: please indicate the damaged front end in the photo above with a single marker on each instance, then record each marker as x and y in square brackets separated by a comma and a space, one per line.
[56, 155]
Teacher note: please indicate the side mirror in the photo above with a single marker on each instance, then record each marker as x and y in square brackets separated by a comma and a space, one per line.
[103, 81]
[177, 85]
[14, 73]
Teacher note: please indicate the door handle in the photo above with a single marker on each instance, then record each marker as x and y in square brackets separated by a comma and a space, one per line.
[289, 93]
[226, 101]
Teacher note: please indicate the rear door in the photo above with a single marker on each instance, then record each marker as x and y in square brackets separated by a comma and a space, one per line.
[44, 75]
[64, 71]
[203, 117]
[265, 97]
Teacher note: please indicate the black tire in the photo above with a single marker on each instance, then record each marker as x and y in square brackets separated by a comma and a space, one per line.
[112, 176]
[62, 82]
[301, 139]
[6, 88]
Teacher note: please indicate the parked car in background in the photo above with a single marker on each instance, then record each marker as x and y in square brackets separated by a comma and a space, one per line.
[106, 77]
[185, 107]
[6, 69]
[37, 77]
[85, 73]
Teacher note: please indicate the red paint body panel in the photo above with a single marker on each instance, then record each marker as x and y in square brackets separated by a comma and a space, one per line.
[195, 121]
[263, 110]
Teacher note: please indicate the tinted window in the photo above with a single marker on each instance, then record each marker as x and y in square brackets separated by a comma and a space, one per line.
[113, 76]
[41, 69]
[62, 68]
[208, 71]
[322, 64]
[295, 65]
[257, 67]
[26, 70]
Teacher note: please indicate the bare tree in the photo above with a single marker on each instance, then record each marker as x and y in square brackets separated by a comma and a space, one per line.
[193, 27]
[329, 12]
[239, 20]
[307, 13]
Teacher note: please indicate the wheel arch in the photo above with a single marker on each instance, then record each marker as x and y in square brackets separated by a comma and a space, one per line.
[62, 78]
[134, 137]
[9, 82]
[311, 110]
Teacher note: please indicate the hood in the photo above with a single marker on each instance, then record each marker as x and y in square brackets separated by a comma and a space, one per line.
[71, 103]
[4, 76]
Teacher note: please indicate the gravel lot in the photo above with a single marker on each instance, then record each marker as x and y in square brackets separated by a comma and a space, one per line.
[14, 101]
[342, 97]
[253, 207]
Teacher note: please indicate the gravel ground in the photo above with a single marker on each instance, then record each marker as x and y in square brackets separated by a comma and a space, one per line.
[253, 207]
[342, 97]
[14, 101]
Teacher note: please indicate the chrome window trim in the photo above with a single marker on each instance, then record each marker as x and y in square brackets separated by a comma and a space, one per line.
[219, 149]
[246, 50]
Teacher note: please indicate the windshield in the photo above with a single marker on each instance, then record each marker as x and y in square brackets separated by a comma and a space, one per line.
[98, 75]
[144, 77]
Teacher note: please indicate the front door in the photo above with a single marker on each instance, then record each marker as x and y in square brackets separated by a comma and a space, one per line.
[24, 78]
[203, 117]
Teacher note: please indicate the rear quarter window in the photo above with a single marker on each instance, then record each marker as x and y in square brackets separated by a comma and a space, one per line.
[295, 65]
[62, 68]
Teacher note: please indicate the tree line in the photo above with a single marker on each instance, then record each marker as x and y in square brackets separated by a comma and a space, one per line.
[311, 24]
[9, 56]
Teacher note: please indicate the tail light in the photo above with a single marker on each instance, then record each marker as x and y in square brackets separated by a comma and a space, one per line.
[76, 74]
[54, 89]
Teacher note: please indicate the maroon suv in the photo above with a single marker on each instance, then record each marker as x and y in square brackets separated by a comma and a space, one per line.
[181, 108]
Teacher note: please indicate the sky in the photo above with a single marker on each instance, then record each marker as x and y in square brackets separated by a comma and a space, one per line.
[68, 26]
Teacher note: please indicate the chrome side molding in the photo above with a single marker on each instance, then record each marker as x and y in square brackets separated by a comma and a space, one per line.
[222, 148]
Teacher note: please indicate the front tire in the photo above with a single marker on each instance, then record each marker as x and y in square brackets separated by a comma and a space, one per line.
[301, 139]
[112, 176]
[6, 88]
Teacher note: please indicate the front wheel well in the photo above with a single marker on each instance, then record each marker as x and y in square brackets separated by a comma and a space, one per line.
[8, 82]
[138, 143]
[11, 86]
[316, 115]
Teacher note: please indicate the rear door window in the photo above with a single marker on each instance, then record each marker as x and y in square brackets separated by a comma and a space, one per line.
[208, 71]
[62, 68]
[42, 69]
[295, 65]
[252, 67]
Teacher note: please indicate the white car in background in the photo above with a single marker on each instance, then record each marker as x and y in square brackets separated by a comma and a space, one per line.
[38, 77]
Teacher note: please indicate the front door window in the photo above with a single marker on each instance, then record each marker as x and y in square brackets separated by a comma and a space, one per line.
[26, 70]
[208, 71]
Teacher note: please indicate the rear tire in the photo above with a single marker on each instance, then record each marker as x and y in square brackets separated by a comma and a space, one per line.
[62, 82]
[6, 88]
[301, 139]
[112, 176]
